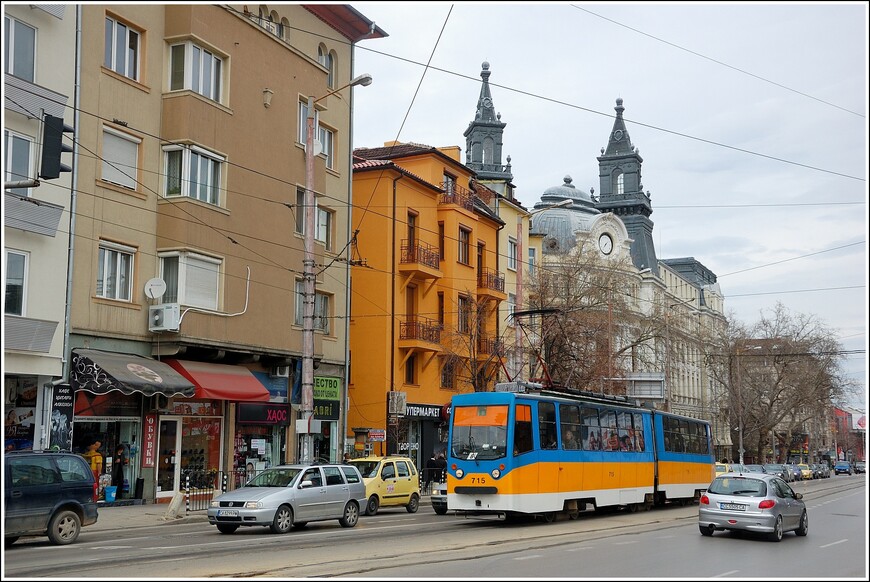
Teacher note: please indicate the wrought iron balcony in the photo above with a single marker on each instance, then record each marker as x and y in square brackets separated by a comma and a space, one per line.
[490, 284]
[420, 259]
[459, 196]
[420, 332]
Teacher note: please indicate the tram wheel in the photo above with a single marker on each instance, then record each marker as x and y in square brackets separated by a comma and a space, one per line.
[549, 517]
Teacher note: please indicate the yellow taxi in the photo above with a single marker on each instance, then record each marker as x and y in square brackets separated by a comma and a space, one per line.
[390, 481]
[806, 472]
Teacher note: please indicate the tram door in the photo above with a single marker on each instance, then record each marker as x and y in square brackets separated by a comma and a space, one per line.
[168, 459]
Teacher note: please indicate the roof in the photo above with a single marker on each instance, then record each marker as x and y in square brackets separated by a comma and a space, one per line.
[346, 20]
[363, 165]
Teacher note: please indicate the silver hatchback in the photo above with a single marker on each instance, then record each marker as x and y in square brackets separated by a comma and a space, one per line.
[290, 496]
[753, 502]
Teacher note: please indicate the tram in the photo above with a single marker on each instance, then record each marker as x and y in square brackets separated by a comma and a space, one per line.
[520, 451]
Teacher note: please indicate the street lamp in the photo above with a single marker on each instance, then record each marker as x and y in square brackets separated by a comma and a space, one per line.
[308, 296]
[519, 299]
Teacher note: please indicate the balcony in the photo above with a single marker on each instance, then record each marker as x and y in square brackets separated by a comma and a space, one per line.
[459, 196]
[490, 285]
[488, 347]
[420, 333]
[420, 260]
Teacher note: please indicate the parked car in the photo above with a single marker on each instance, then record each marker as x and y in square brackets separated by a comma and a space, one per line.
[824, 470]
[439, 498]
[752, 502]
[752, 468]
[806, 472]
[860, 467]
[796, 472]
[288, 496]
[844, 467]
[780, 470]
[389, 481]
[47, 493]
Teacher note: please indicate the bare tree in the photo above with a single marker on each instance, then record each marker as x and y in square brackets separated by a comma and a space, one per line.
[472, 354]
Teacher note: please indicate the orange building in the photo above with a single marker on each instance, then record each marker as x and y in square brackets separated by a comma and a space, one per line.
[426, 290]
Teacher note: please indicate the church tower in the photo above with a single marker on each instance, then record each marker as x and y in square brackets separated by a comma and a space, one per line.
[622, 192]
[483, 138]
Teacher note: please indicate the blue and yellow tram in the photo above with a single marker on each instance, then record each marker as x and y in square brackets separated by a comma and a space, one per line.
[514, 453]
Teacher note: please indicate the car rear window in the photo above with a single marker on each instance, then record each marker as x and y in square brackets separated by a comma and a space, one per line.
[73, 469]
[738, 486]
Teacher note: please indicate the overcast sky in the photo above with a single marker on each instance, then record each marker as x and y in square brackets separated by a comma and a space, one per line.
[751, 121]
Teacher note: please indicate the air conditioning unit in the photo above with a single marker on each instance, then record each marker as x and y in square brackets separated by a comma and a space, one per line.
[280, 372]
[164, 317]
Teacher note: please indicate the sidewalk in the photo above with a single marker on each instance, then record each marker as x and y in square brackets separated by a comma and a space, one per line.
[117, 516]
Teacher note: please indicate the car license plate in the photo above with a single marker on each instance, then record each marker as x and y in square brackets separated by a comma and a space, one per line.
[228, 513]
[732, 506]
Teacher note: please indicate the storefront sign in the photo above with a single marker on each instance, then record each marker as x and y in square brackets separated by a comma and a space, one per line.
[422, 411]
[62, 417]
[105, 407]
[262, 413]
[327, 397]
[377, 435]
[149, 441]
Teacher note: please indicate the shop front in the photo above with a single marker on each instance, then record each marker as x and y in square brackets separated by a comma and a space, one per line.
[261, 438]
[422, 432]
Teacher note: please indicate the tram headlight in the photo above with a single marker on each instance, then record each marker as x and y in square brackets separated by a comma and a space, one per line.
[459, 473]
[496, 473]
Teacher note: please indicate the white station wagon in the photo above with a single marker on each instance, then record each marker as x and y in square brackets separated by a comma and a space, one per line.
[290, 496]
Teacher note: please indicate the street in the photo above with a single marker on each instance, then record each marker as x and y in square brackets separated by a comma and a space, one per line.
[663, 542]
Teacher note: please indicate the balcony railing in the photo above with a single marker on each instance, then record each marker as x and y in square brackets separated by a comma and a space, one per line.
[420, 328]
[489, 346]
[458, 195]
[420, 252]
[489, 279]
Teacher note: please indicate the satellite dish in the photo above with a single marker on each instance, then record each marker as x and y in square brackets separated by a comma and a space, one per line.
[155, 288]
[318, 147]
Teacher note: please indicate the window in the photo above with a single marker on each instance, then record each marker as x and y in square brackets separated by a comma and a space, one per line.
[464, 246]
[441, 309]
[547, 425]
[19, 49]
[449, 184]
[512, 254]
[122, 49]
[533, 258]
[196, 69]
[16, 161]
[411, 370]
[464, 315]
[300, 210]
[16, 282]
[441, 241]
[322, 309]
[333, 476]
[511, 307]
[618, 182]
[327, 146]
[120, 158]
[115, 271]
[327, 59]
[303, 122]
[191, 279]
[448, 374]
[323, 228]
[194, 172]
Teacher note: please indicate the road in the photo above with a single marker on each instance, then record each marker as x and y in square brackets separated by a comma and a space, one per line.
[662, 543]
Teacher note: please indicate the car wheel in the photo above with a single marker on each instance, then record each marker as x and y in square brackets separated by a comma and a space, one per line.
[440, 510]
[414, 504]
[776, 534]
[372, 505]
[283, 520]
[804, 527]
[707, 530]
[64, 528]
[226, 528]
[351, 515]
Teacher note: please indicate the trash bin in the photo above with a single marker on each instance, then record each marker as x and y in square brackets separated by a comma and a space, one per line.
[110, 493]
[140, 488]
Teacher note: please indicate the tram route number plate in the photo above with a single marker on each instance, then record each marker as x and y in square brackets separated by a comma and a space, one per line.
[732, 506]
[228, 512]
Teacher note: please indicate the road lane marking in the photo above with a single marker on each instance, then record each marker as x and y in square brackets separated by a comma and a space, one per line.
[729, 573]
[532, 557]
[835, 543]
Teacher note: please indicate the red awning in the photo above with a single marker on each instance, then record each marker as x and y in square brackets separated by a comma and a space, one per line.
[221, 381]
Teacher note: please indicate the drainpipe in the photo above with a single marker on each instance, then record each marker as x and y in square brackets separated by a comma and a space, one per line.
[48, 394]
[392, 318]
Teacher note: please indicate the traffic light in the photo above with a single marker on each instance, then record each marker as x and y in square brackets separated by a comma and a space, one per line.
[53, 129]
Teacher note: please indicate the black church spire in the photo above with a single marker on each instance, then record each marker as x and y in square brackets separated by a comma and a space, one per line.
[483, 138]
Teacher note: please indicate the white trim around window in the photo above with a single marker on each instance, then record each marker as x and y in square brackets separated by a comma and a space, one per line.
[121, 53]
[196, 69]
[512, 254]
[115, 271]
[16, 269]
[19, 47]
[17, 159]
[192, 171]
[191, 279]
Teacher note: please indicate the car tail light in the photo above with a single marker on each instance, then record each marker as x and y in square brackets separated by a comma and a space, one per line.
[96, 491]
[704, 500]
[766, 504]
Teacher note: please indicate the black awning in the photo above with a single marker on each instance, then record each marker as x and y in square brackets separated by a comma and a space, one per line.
[101, 372]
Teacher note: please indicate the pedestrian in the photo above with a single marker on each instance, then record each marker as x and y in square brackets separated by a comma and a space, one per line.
[118, 462]
[94, 456]
[346, 458]
[440, 467]
[431, 469]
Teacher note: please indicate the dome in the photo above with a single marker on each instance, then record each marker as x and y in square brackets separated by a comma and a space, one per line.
[560, 225]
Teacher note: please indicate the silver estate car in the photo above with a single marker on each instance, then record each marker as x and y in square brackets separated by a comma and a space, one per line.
[752, 502]
[290, 496]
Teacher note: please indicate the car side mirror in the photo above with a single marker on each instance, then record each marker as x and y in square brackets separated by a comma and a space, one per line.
[798, 495]
[305, 484]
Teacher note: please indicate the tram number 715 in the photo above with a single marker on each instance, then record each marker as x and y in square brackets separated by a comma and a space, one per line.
[478, 480]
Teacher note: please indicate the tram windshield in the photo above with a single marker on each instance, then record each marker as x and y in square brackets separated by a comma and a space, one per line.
[479, 432]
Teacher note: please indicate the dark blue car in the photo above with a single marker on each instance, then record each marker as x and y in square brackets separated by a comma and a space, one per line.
[843, 467]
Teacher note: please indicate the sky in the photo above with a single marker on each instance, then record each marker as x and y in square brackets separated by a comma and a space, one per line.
[751, 120]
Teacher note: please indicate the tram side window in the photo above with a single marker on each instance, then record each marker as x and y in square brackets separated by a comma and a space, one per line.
[608, 427]
[638, 432]
[569, 420]
[590, 433]
[523, 429]
[624, 425]
[547, 424]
